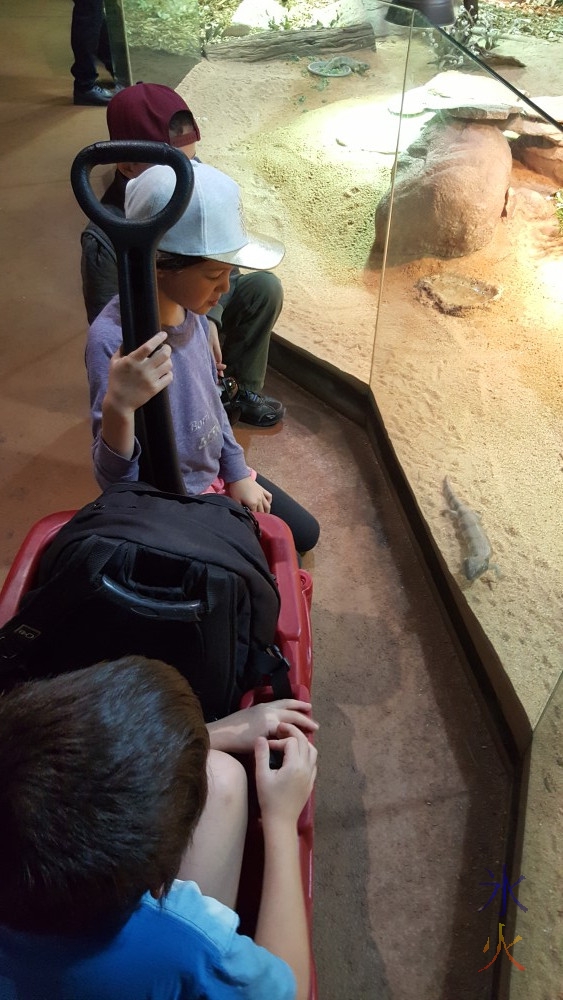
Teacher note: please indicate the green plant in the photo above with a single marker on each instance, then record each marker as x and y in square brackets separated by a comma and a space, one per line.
[558, 199]
[476, 33]
[284, 25]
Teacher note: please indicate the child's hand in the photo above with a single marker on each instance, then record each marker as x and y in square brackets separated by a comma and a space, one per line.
[237, 733]
[250, 494]
[137, 377]
[282, 794]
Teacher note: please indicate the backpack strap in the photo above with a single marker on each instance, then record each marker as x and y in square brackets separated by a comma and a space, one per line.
[270, 665]
[98, 234]
[80, 578]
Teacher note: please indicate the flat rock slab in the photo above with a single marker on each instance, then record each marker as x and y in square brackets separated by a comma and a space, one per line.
[453, 90]
[455, 294]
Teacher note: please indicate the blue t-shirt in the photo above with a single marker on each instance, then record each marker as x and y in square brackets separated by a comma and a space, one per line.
[185, 949]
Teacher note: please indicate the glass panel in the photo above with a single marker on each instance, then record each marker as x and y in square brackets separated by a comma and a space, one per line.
[163, 37]
[306, 142]
[468, 355]
[466, 363]
[541, 927]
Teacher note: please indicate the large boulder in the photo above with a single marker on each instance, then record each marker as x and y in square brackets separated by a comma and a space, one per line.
[450, 191]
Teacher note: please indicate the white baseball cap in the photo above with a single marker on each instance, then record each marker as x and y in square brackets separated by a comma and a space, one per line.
[212, 224]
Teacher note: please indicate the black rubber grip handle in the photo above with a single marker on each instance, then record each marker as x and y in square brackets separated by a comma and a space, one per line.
[149, 607]
[135, 243]
[125, 233]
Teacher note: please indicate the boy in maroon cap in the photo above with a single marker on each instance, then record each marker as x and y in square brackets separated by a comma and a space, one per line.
[242, 321]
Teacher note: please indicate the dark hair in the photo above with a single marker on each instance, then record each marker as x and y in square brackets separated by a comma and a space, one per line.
[179, 121]
[103, 781]
[175, 261]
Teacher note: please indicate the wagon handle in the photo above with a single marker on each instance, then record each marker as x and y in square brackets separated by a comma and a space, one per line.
[135, 243]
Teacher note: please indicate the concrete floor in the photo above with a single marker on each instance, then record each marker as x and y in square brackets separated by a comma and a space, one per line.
[413, 795]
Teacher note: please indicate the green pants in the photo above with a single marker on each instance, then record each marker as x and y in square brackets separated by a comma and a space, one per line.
[250, 310]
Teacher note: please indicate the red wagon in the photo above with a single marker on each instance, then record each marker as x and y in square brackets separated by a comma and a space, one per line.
[135, 243]
[293, 637]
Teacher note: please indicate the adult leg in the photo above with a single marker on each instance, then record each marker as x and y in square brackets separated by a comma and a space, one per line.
[104, 51]
[85, 32]
[253, 306]
[213, 859]
[304, 527]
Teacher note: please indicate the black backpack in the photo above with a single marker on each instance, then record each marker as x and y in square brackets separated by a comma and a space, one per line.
[176, 578]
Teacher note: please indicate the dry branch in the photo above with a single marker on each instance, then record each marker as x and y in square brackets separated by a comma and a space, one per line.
[265, 45]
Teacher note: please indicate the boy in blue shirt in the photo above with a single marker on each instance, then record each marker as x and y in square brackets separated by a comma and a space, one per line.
[108, 791]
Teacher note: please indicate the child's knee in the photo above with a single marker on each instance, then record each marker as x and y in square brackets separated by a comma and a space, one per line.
[226, 776]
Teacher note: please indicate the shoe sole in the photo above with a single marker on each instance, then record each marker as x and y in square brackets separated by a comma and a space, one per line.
[265, 425]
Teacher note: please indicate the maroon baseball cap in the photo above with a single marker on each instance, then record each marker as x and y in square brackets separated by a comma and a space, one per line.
[144, 111]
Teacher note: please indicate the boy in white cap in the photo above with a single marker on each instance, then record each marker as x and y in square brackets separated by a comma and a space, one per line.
[194, 262]
[242, 320]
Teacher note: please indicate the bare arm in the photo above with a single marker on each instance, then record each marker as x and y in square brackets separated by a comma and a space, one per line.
[238, 732]
[282, 921]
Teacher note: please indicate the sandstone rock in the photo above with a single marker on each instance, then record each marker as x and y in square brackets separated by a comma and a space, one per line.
[259, 13]
[546, 160]
[464, 95]
[450, 192]
[483, 112]
[526, 126]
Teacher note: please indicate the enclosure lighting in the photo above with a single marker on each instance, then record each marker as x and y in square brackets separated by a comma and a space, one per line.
[438, 12]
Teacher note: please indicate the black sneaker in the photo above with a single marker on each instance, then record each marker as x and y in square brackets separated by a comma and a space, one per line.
[228, 389]
[96, 96]
[262, 411]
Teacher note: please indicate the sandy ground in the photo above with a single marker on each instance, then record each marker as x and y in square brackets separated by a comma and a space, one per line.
[478, 398]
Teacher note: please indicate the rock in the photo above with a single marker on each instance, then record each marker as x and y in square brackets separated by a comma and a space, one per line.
[544, 157]
[525, 126]
[259, 14]
[341, 12]
[539, 145]
[497, 59]
[464, 95]
[450, 192]
[455, 294]
[236, 31]
[483, 112]
[552, 106]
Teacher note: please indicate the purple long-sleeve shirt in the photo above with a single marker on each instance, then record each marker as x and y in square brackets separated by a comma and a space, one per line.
[206, 445]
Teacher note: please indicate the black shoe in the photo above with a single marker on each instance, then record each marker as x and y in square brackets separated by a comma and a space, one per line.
[96, 96]
[228, 389]
[262, 411]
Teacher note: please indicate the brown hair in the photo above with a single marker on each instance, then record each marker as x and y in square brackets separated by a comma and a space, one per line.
[102, 784]
[166, 261]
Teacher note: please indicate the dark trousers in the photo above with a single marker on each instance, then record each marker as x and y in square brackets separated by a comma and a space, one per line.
[89, 40]
[304, 527]
[250, 309]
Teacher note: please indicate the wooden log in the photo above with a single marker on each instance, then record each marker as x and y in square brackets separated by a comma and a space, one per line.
[264, 45]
